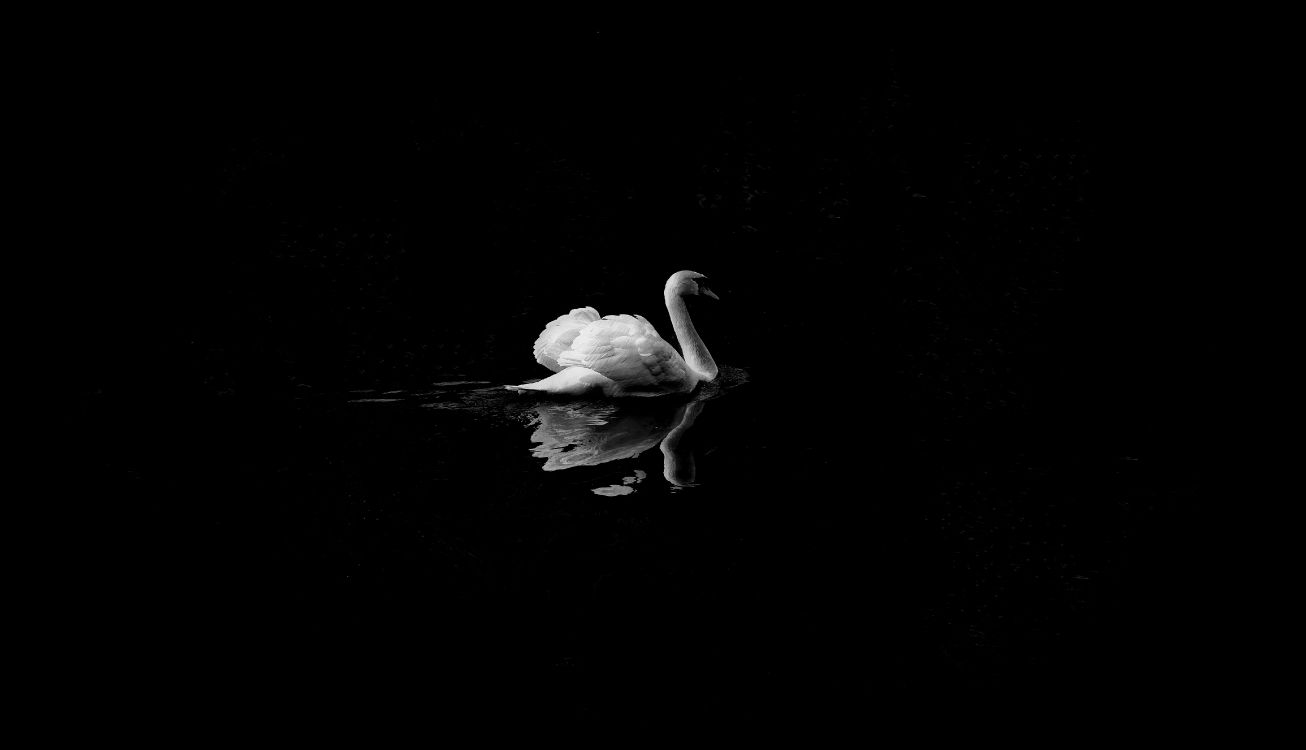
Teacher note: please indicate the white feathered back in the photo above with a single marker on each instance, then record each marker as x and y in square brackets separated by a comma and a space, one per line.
[557, 336]
[628, 350]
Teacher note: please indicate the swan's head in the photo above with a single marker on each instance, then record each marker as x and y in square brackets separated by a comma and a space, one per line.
[688, 284]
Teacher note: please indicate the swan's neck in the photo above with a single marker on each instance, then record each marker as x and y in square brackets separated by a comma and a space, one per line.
[691, 344]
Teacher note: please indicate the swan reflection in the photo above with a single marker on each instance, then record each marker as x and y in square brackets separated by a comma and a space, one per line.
[568, 435]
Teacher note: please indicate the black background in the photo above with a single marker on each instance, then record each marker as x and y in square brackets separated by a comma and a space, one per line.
[970, 266]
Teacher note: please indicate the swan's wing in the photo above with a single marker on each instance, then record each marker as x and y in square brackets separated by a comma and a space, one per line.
[628, 350]
[557, 336]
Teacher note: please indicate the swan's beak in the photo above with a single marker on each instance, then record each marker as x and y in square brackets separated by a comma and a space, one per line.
[710, 293]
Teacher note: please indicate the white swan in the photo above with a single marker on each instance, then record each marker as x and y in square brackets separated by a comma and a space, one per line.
[623, 355]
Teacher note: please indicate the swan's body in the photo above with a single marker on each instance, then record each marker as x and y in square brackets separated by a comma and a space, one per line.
[623, 355]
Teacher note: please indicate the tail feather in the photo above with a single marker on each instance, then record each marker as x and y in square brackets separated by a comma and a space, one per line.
[573, 381]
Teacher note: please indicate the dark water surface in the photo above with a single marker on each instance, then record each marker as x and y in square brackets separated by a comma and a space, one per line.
[803, 554]
[954, 455]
